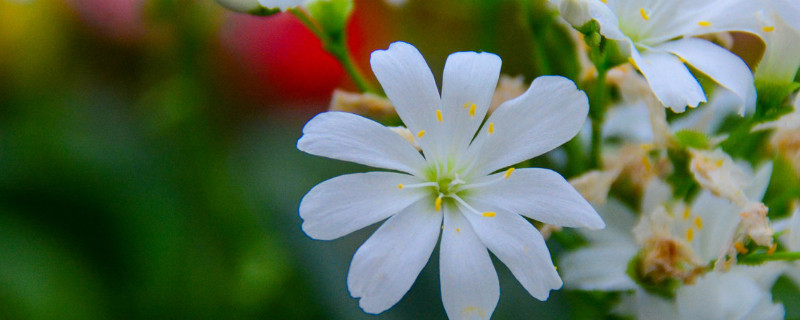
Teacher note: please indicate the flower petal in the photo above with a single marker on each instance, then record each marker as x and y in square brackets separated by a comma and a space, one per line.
[469, 80]
[520, 247]
[550, 113]
[539, 194]
[409, 84]
[719, 64]
[670, 80]
[350, 202]
[579, 12]
[599, 267]
[729, 295]
[281, 4]
[386, 265]
[470, 289]
[349, 137]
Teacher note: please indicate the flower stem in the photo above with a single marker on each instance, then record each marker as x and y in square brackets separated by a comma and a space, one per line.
[336, 46]
[757, 258]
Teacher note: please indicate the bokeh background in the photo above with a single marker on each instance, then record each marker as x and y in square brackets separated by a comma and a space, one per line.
[148, 166]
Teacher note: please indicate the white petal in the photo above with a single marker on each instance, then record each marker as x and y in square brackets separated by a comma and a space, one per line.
[620, 221]
[409, 84]
[757, 187]
[386, 265]
[469, 78]
[349, 137]
[727, 295]
[670, 80]
[709, 117]
[782, 55]
[599, 267]
[629, 121]
[720, 219]
[539, 194]
[281, 4]
[470, 289]
[549, 114]
[719, 64]
[652, 307]
[656, 193]
[350, 202]
[520, 247]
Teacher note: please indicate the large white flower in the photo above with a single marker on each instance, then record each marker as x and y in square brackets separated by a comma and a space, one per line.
[450, 186]
[657, 36]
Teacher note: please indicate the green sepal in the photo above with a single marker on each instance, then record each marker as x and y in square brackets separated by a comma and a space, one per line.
[665, 289]
[771, 99]
[331, 15]
[688, 138]
[263, 12]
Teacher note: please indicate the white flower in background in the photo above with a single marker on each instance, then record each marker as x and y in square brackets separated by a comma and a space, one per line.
[791, 240]
[657, 36]
[450, 187]
[786, 135]
[256, 5]
[780, 29]
[676, 241]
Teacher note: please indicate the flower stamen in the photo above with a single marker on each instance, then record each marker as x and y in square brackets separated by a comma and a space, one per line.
[491, 127]
[439, 115]
[644, 14]
[472, 110]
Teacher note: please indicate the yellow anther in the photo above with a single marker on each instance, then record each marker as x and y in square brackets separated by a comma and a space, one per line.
[605, 1]
[439, 115]
[466, 105]
[458, 230]
[690, 234]
[438, 204]
[508, 172]
[718, 163]
[772, 248]
[555, 267]
[491, 127]
[740, 248]
[686, 213]
[472, 110]
[698, 222]
[400, 186]
[704, 23]
[644, 14]
[768, 29]
[420, 133]
[489, 214]
[646, 163]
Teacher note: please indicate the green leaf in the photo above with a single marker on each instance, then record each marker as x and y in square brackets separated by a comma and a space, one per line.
[688, 138]
[264, 12]
[771, 99]
[331, 15]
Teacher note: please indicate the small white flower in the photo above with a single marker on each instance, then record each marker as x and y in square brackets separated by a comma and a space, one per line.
[451, 180]
[657, 36]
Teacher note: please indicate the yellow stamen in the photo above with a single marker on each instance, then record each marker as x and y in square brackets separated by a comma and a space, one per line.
[686, 213]
[740, 248]
[690, 234]
[458, 230]
[489, 214]
[698, 222]
[491, 127]
[508, 172]
[420, 133]
[768, 29]
[772, 248]
[439, 115]
[644, 14]
[400, 186]
[466, 105]
[605, 1]
[438, 204]
[472, 110]
[555, 267]
[704, 23]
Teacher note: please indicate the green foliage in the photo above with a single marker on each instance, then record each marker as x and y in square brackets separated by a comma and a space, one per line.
[772, 99]
[263, 12]
[688, 138]
[681, 179]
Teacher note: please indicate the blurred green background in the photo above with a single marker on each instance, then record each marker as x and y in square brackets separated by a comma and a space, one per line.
[148, 166]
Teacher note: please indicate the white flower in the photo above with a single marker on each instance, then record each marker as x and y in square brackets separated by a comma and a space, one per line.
[451, 180]
[255, 5]
[780, 29]
[657, 36]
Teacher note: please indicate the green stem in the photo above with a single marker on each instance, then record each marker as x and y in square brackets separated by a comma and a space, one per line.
[338, 48]
[598, 102]
[763, 257]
